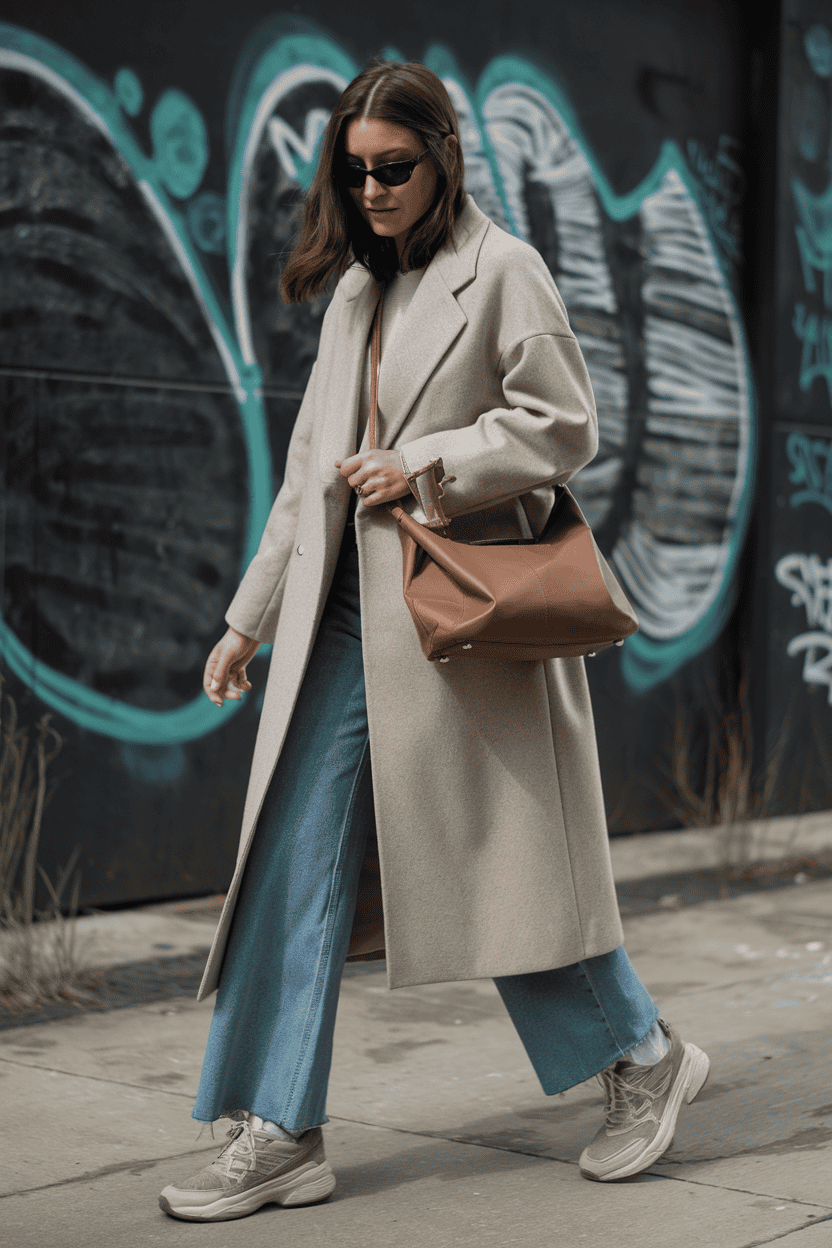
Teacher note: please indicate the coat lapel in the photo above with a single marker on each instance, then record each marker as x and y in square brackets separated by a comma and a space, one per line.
[340, 419]
[433, 322]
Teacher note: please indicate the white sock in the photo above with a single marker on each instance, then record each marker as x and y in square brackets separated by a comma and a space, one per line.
[651, 1049]
[271, 1128]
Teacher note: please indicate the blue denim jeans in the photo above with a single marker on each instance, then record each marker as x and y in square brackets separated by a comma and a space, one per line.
[270, 1043]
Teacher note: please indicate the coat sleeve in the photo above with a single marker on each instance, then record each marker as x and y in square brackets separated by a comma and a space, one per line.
[546, 428]
[255, 606]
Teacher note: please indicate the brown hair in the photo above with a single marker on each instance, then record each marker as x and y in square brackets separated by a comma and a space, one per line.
[333, 233]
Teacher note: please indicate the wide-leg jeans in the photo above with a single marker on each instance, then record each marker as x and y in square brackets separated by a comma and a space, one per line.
[270, 1043]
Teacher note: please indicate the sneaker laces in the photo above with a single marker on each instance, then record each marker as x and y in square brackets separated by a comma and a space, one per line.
[630, 1104]
[240, 1156]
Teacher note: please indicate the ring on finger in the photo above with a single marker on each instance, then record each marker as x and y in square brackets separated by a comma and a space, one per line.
[359, 489]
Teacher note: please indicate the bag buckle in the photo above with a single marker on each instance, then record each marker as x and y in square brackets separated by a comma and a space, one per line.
[429, 492]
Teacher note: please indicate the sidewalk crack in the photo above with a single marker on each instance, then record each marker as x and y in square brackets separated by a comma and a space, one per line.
[136, 1166]
[74, 1074]
[795, 1230]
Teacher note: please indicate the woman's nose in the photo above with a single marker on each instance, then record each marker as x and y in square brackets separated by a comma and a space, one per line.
[373, 189]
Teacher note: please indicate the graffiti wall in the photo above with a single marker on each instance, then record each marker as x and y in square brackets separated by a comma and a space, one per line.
[808, 577]
[799, 641]
[151, 375]
[805, 262]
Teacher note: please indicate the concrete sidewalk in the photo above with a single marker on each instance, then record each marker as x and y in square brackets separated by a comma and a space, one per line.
[439, 1133]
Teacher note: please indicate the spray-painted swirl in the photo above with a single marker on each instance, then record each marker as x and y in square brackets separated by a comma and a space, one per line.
[668, 494]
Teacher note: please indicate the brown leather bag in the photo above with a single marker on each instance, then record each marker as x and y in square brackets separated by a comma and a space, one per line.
[513, 600]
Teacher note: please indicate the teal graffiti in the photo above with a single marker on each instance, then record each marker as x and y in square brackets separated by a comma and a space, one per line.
[813, 233]
[154, 764]
[129, 92]
[22, 50]
[299, 154]
[475, 135]
[811, 123]
[815, 333]
[722, 187]
[180, 143]
[206, 221]
[811, 460]
[647, 662]
[817, 44]
[290, 60]
[298, 54]
[814, 236]
[508, 70]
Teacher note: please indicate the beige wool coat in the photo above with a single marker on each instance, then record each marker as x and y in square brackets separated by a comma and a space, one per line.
[492, 838]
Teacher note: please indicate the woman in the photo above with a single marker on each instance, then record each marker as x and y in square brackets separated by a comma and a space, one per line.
[479, 779]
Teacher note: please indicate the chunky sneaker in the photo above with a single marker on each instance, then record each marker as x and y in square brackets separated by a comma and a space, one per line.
[643, 1103]
[256, 1168]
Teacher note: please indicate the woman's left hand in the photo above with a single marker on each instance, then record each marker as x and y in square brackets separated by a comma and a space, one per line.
[376, 475]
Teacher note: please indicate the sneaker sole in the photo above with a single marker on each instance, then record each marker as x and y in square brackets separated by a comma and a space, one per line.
[308, 1185]
[690, 1080]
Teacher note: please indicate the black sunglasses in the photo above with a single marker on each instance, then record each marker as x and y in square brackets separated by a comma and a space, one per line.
[394, 173]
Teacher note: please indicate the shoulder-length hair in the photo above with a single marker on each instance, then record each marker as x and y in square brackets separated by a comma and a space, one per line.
[333, 233]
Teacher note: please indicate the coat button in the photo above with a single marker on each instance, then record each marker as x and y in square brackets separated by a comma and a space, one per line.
[300, 550]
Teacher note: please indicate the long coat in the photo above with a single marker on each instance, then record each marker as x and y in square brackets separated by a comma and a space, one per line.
[492, 838]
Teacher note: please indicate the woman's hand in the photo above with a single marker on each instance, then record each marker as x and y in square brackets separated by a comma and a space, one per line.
[225, 671]
[376, 475]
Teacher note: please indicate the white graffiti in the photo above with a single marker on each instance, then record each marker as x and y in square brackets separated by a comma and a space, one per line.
[692, 417]
[479, 179]
[646, 298]
[285, 141]
[810, 581]
[817, 667]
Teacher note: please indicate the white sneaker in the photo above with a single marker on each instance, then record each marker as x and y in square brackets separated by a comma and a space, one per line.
[643, 1103]
[256, 1168]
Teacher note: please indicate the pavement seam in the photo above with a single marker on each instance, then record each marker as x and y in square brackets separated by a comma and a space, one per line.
[73, 1074]
[430, 1135]
[745, 1191]
[456, 1139]
[709, 1161]
[118, 1168]
[655, 1174]
[796, 1230]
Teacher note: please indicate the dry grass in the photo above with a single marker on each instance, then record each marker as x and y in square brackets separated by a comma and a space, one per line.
[711, 781]
[40, 958]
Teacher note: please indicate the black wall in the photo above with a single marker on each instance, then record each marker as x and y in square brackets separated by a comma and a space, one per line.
[795, 625]
[148, 400]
